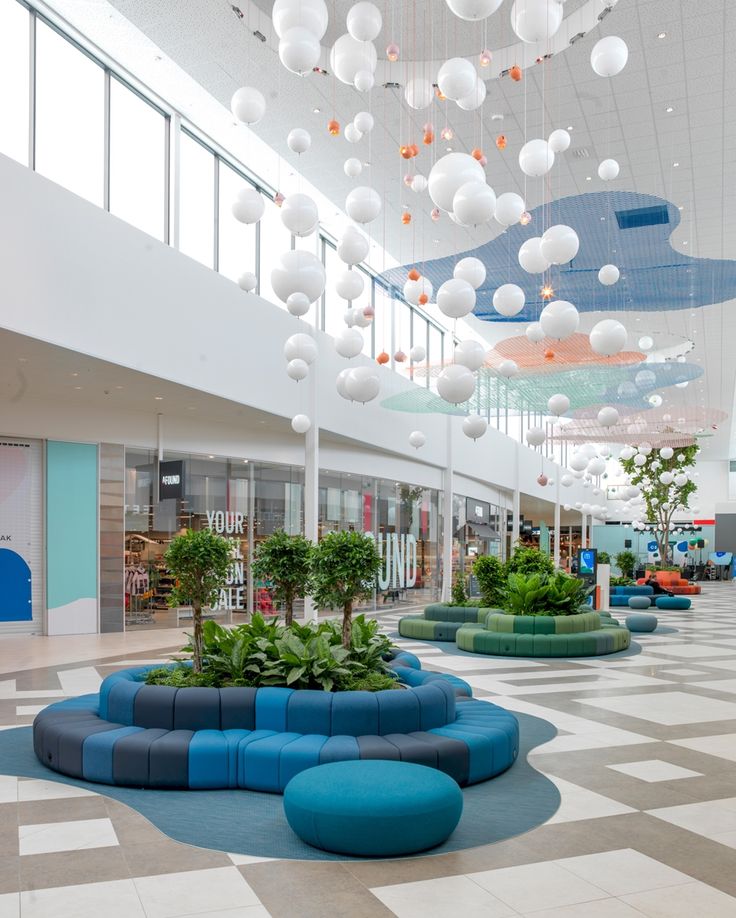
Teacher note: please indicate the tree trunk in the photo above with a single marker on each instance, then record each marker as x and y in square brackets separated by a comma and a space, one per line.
[347, 624]
[197, 642]
[289, 611]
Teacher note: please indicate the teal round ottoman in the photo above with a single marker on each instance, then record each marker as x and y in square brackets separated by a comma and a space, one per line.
[372, 807]
[639, 602]
[672, 602]
[642, 622]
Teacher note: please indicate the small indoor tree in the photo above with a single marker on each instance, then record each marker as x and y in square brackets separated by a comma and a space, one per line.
[285, 561]
[665, 486]
[200, 562]
[528, 560]
[344, 569]
[492, 578]
[626, 562]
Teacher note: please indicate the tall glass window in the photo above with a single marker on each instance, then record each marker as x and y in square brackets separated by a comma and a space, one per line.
[237, 241]
[137, 161]
[419, 337]
[334, 306]
[70, 115]
[402, 327]
[196, 200]
[383, 319]
[434, 351]
[14, 64]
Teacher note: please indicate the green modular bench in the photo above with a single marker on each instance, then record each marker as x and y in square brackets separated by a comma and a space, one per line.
[440, 622]
[587, 634]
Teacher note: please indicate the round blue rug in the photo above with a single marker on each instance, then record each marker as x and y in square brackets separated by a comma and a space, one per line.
[246, 822]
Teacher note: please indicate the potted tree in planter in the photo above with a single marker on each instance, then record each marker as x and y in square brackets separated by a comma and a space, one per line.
[492, 577]
[286, 561]
[626, 562]
[344, 568]
[200, 562]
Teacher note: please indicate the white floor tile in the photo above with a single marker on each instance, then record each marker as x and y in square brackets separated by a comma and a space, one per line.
[8, 789]
[10, 905]
[34, 789]
[652, 770]
[26, 709]
[580, 803]
[173, 894]
[722, 745]
[693, 651]
[683, 672]
[242, 859]
[479, 661]
[445, 897]
[76, 835]
[684, 901]
[709, 818]
[247, 911]
[82, 681]
[668, 708]
[532, 887]
[115, 899]
[623, 871]
[718, 685]
[602, 908]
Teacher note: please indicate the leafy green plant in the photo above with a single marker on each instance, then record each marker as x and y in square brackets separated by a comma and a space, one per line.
[285, 561]
[544, 594]
[344, 569]
[269, 653]
[621, 581]
[492, 577]
[626, 562]
[459, 596]
[200, 562]
[565, 594]
[604, 557]
[526, 560]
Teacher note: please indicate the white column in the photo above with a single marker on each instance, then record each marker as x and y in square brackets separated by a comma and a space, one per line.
[556, 557]
[447, 519]
[584, 530]
[251, 534]
[516, 505]
[311, 476]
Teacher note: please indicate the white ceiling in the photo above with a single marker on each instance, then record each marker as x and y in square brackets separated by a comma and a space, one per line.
[691, 70]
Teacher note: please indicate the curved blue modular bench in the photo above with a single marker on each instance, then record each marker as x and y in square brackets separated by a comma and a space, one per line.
[163, 737]
[373, 809]
[620, 595]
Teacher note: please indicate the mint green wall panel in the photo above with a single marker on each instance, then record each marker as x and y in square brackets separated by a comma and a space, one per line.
[71, 537]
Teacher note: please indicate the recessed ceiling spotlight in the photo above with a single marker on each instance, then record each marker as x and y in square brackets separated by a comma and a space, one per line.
[675, 165]
[588, 178]
[669, 109]
[158, 398]
[570, 127]
[211, 457]
[449, 149]
[681, 208]
[685, 242]
[662, 35]
[316, 111]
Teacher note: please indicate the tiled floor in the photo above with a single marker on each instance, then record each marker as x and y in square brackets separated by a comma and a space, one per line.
[645, 762]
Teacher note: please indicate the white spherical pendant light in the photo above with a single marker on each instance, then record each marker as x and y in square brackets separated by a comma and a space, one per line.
[307, 14]
[363, 204]
[364, 122]
[299, 214]
[419, 93]
[299, 140]
[474, 426]
[474, 203]
[298, 271]
[297, 369]
[508, 368]
[608, 275]
[531, 258]
[559, 319]
[596, 466]
[418, 353]
[456, 78]
[509, 208]
[363, 384]
[535, 436]
[666, 478]
[352, 167]
[364, 21]
[681, 479]
[536, 158]
[608, 337]
[475, 98]
[473, 10]
[608, 170]
[353, 246]
[419, 184]
[609, 56]
[450, 173]
[300, 423]
[352, 134]
[350, 57]
[455, 298]
[472, 270]
[558, 141]
[300, 347]
[349, 285]
[298, 304]
[536, 20]
[559, 244]
[508, 300]
[578, 462]
[558, 404]
[470, 354]
[364, 81]
[608, 417]
[645, 379]
[340, 383]
[413, 289]
[417, 439]
[455, 384]
[248, 105]
[349, 343]
[248, 206]
[248, 281]
[299, 50]
[534, 333]
[646, 343]
[666, 452]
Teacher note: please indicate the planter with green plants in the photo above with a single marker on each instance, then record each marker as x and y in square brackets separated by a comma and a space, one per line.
[626, 563]
[285, 561]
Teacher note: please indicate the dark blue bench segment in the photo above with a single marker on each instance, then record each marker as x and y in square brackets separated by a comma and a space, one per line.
[373, 809]
[173, 744]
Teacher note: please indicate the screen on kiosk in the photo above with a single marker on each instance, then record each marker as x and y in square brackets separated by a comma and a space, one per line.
[587, 561]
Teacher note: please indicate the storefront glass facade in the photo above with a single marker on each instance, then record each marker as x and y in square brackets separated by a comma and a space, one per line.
[479, 528]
